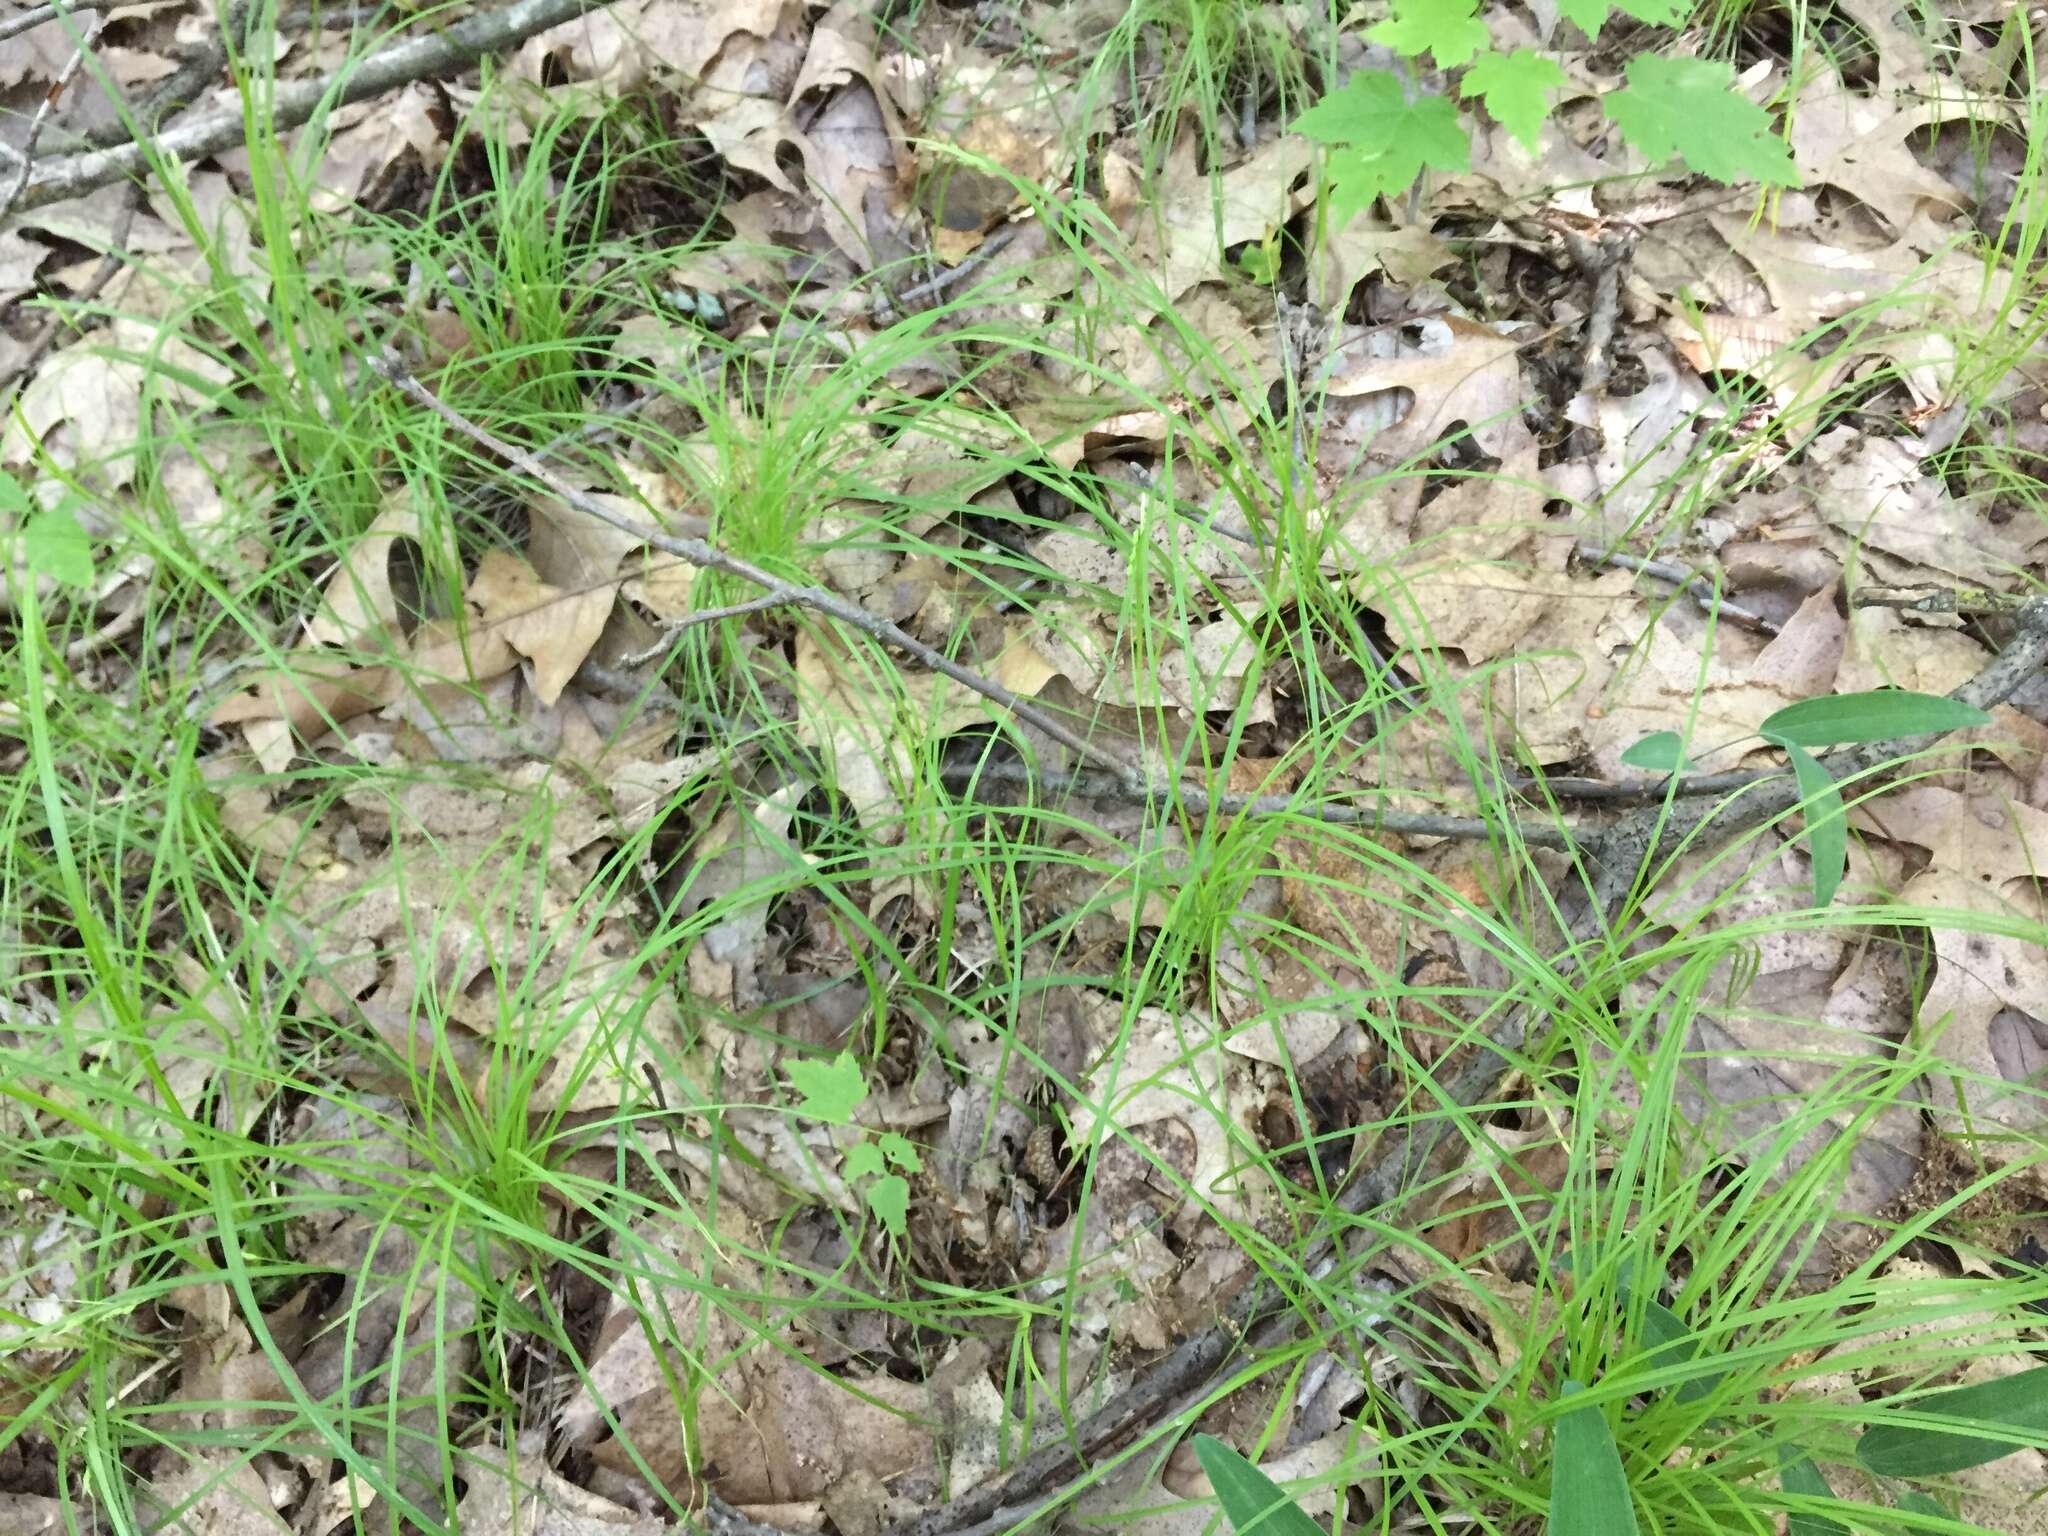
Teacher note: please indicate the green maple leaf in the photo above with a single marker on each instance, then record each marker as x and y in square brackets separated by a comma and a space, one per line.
[889, 1198]
[1690, 108]
[1448, 29]
[901, 1151]
[1516, 88]
[56, 545]
[1591, 15]
[1382, 140]
[831, 1090]
[863, 1159]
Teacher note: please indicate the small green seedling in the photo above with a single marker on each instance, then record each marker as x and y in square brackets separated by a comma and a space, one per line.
[830, 1092]
[1844, 720]
[52, 541]
[1383, 131]
[1658, 752]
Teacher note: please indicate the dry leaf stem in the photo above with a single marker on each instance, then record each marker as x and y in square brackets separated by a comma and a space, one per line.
[14, 26]
[1698, 588]
[1198, 800]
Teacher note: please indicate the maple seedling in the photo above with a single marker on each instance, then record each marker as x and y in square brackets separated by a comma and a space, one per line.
[829, 1092]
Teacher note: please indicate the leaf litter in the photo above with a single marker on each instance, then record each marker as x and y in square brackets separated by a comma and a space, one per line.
[538, 845]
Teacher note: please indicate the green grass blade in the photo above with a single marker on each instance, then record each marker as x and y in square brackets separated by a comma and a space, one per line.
[1827, 828]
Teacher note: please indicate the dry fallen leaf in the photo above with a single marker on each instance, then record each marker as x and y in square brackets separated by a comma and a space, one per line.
[553, 629]
[1987, 1010]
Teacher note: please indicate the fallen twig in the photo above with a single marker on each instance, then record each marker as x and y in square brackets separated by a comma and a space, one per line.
[12, 197]
[27, 21]
[818, 599]
[197, 70]
[1938, 600]
[1199, 801]
[1698, 588]
[417, 58]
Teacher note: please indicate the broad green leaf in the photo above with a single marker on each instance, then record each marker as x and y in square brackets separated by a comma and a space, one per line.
[1252, 1501]
[1591, 15]
[1798, 1475]
[889, 1198]
[1846, 719]
[831, 1090]
[1690, 108]
[1672, 1342]
[863, 1160]
[1827, 826]
[54, 545]
[2016, 1403]
[1588, 1486]
[1380, 140]
[901, 1151]
[1516, 88]
[1449, 30]
[1660, 752]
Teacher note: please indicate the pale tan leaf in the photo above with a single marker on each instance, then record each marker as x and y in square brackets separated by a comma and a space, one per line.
[1987, 1009]
[218, 1494]
[553, 629]
[1458, 371]
[356, 598]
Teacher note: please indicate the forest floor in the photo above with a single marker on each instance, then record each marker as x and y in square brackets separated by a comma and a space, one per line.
[803, 769]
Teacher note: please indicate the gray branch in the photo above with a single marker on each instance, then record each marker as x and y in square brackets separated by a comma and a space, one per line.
[296, 102]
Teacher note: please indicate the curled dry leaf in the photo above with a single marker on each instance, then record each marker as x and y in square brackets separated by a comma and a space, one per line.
[357, 600]
[552, 628]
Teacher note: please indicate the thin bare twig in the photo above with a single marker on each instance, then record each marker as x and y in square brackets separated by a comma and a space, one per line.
[818, 599]
[13, 195]
[1959, 601]
[675, 627]
[27, 21]
[1199, 801]
[1698, 588]
[416, 58]
[935, 285]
